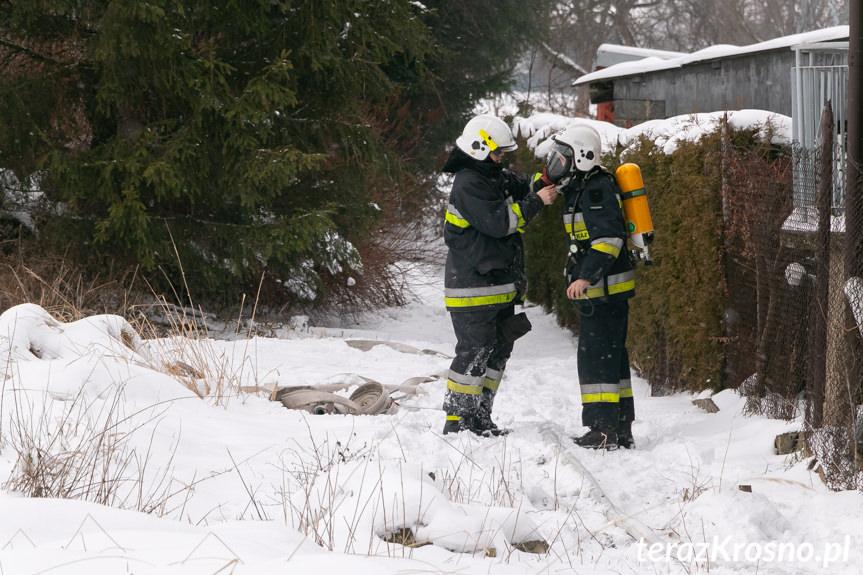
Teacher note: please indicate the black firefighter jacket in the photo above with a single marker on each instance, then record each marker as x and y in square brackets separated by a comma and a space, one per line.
[487, 211]
[593, 218]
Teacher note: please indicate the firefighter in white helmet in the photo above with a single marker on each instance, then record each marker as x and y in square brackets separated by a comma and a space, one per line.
[600, 279]
[486, 215]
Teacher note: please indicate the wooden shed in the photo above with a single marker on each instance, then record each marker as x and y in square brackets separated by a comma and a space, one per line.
[721, 77]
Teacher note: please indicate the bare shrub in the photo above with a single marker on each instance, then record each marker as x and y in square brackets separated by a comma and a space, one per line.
[80, 449]
[67, 292]
[179, 345]
[311, 510]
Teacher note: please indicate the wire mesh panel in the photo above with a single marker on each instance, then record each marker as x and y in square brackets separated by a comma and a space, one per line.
[768, 281]
[793, 340]
[833, 387]
[820, 75]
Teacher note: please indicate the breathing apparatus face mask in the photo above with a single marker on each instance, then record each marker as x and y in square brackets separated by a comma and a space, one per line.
[559, 163]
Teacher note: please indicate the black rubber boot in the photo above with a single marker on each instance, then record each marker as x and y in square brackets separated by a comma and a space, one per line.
[598, 438]
[483, 425]
[482, 422]
[456, 424]
[461, 409]
[624, 435]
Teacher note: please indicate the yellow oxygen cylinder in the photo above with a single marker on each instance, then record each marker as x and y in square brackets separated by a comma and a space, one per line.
[635, 209]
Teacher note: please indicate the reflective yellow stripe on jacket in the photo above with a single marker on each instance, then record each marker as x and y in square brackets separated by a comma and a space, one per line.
[575, 227]
[611, 246]
[454, 217]
[515, 211]
[617, 283]
[516, 219]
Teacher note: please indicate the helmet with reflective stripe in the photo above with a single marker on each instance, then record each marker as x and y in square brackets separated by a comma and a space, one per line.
[581, 143]
[484, 134]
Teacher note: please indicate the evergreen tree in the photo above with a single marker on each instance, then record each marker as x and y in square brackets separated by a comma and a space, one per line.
[221, 142]
[481, 43]
[229, 138]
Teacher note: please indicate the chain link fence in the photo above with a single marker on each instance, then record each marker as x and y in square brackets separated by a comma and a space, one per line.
[794, 313]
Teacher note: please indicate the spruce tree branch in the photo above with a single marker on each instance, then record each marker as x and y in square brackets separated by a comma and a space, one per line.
[21, 49]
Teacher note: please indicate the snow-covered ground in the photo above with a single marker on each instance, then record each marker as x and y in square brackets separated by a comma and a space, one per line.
[236, 483]
[171, 458]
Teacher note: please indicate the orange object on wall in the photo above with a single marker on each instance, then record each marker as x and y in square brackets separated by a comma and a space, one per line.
[605, 112]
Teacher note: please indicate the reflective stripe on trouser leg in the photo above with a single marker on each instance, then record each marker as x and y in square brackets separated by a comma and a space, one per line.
[489, 389]
[627, 402]
[496, 361]
[601, 350]
[492, 379]
[462, 395]
[600, 404]
[477, 341]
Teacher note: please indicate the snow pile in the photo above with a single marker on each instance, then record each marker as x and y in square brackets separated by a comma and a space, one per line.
[667, 134]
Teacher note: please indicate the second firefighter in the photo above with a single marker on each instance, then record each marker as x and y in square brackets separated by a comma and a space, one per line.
[601, 280]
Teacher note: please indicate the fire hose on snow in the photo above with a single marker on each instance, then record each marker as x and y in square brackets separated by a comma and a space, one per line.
[635, 528]
[370, 398]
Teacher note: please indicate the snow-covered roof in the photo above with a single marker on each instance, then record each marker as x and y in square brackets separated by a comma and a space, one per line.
[654, 63]
[611, 54]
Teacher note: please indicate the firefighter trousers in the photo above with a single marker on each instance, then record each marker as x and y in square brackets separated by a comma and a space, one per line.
[603, 366]
[481, 353]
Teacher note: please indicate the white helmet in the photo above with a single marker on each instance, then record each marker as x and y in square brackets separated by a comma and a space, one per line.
[579, 143]
[484, 134]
